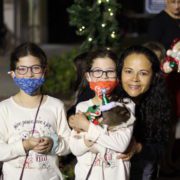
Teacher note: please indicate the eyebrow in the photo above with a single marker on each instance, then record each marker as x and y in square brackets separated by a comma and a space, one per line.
[98, 68]
[139, 70]
[29, 66]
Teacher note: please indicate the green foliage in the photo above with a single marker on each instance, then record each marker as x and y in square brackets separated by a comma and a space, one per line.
[96, 20]
[61, 74]
[67, 164]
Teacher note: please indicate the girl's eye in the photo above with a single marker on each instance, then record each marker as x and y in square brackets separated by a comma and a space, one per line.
[21, 69]
[36, 67]
[142, 73]
[127, 71]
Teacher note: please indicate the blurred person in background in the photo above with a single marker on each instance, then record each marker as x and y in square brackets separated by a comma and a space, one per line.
[165, 26]
[157, 48]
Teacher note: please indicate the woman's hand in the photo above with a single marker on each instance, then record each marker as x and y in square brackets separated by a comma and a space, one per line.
[79, 122]
[132, 149]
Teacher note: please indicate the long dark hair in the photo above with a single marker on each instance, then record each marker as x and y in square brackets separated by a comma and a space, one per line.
[80, 63]
[154, 109]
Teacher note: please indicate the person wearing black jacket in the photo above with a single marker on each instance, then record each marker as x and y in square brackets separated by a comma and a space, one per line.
[165, 26]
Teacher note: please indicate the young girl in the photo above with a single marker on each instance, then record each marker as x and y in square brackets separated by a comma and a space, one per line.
[34, 129]
[100, 73]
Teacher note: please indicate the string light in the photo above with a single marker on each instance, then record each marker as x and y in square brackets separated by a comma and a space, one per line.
[81, 28]
[89, 39]
[103, 25]
[105, 18]
[110, 10]
[99, 1]
[111, 14]
[113, 35]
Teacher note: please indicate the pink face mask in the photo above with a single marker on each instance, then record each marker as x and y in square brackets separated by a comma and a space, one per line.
[99, 85]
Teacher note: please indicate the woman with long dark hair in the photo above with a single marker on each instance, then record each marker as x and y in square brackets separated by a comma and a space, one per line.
[142, 81]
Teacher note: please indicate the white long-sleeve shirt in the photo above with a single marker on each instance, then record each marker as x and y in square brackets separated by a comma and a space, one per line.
[109, 145]
[16, 123]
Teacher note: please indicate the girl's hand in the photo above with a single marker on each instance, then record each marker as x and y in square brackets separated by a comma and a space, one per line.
[44, 146]
[79, 121]
[30, 143]
[88, 143]
[132, 149]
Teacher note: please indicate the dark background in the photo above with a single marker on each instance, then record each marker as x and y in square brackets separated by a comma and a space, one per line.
[59, 30]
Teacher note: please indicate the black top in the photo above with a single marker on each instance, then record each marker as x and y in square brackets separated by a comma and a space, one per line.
[164, 29]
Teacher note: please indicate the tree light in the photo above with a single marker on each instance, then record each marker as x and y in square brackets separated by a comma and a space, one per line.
[111, 13]
[80, 29]
[103, 24]
[99, 1]
[89, 39]
[113, 35]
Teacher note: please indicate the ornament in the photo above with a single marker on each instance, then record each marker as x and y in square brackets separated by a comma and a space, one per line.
[93, 113]
[172, 64]
[105, 100]
[166, 67]
[172, 60]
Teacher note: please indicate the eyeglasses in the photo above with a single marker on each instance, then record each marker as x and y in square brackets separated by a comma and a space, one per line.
[99, 73]
[35, 69]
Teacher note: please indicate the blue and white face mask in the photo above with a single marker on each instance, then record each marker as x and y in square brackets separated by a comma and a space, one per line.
[29, 85]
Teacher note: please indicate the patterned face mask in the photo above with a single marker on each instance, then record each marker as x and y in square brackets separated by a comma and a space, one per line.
[99, 85]
[29, 85]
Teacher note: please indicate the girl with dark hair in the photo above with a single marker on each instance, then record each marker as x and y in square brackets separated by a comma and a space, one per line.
[95, 147]
[143, 82]
[34, 130]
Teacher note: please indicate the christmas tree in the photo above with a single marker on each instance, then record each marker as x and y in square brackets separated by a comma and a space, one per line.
[96, 20]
